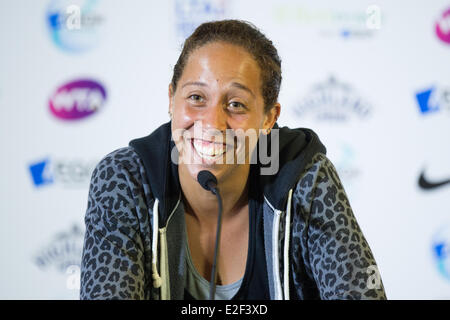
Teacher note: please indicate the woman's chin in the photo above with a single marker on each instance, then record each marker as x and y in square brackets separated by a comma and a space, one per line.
[216, 170]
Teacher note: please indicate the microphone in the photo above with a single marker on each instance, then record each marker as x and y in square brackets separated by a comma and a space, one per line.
[209, 182]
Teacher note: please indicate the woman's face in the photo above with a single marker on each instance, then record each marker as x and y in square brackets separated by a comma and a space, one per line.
[218, 93]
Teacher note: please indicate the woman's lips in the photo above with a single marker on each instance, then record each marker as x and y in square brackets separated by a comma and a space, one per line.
[208, 149]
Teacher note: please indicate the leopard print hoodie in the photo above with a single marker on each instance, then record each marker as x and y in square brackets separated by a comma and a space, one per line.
[313, 244]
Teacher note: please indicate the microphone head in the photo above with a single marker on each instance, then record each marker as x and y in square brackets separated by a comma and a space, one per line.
[206, 179]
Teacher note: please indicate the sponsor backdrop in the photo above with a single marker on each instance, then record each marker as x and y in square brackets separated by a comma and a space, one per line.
[79, 79]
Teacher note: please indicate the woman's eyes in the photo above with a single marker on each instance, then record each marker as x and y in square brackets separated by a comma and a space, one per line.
[196, 98]
[236, 105]
[233, 105]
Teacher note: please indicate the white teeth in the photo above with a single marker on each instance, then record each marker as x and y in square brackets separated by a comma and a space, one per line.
[208, 149]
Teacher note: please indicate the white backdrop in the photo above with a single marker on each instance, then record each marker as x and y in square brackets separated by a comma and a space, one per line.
[372, 78]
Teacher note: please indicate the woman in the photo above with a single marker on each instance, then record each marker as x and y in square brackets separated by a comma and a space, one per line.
[286, 234]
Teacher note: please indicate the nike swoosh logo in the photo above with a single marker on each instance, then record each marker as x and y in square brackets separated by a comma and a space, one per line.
[424, 183]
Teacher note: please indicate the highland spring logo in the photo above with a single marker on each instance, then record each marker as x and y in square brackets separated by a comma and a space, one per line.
[330, 22]
[442, 27]
[77, 99]
[63, 254]
[333, 101]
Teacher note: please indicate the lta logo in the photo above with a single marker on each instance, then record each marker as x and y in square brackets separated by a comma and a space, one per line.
[441, 251]
[189, 14]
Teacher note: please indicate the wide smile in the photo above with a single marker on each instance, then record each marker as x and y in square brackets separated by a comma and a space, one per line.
[208, 150]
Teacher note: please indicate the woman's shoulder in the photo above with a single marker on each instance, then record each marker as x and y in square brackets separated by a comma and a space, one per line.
[118, 172]
[316, 170]
[124, 157]
[118, 232]
[318, 178]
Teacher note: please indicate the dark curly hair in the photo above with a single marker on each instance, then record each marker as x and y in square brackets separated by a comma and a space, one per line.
[245, 35]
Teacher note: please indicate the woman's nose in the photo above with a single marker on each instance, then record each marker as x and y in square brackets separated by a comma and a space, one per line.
[215, 117]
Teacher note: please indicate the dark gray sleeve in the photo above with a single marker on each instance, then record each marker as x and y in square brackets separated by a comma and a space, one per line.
[336, 258]
[115, 257]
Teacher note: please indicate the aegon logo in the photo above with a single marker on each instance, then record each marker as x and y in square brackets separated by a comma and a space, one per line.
[443, 27]
[433, 99]
[75, 25]
[77, 99]
[75, 173]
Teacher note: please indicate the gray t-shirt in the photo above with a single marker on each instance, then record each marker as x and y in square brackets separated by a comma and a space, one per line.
[198, 287]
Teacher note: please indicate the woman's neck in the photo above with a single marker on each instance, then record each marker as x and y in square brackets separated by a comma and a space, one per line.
[202, 205]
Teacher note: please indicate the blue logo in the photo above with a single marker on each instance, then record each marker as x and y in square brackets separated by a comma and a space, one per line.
[441, 251]
[433, 99]
[74, 24]
[72, 173]
[40, 173]
[189, 14]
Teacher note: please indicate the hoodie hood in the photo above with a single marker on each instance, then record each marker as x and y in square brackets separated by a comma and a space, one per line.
[296, 149]
[162, 174]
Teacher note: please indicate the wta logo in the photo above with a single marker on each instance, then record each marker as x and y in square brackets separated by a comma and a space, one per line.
[77, 99]
[443, 27]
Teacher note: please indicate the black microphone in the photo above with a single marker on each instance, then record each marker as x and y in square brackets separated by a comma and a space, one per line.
[209, 182]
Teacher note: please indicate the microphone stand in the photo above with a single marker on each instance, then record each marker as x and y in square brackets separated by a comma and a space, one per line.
[212, 287]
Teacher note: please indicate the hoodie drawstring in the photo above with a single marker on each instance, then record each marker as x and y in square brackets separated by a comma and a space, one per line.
[280, 293]
[157, 281]
[287, 233]
[275, 257]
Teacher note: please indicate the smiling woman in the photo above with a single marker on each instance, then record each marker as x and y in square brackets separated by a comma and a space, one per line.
[289, 234]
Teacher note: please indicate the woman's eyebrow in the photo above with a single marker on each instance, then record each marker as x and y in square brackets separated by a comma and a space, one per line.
[243, 87]
[194, 83]
[233, 84]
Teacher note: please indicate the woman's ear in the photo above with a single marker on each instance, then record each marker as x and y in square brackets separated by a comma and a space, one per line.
[271, 117]
[171, 95]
